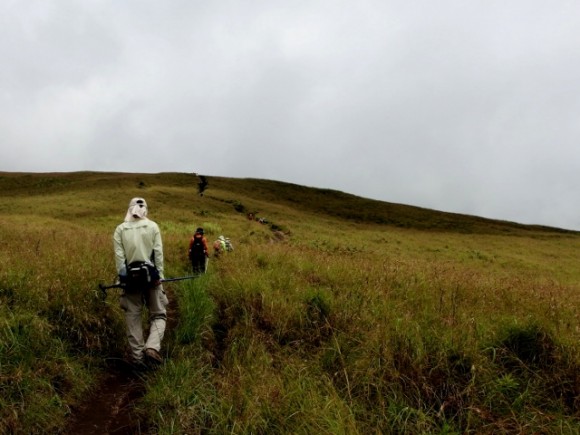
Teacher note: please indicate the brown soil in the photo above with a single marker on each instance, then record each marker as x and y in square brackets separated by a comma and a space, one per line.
[110, 409]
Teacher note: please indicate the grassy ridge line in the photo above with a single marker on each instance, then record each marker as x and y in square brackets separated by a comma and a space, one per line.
[327, 202]
[346, 206]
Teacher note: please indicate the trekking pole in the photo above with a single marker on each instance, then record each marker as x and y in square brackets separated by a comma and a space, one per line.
[181, 278]
[104, 287]
[123, 285]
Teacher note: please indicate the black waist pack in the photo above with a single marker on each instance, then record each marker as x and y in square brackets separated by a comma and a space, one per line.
[141, 276]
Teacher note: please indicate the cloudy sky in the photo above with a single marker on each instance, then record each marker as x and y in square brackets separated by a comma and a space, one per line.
[468, 106]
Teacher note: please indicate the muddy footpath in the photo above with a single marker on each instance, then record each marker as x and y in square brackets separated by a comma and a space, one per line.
[110, 407]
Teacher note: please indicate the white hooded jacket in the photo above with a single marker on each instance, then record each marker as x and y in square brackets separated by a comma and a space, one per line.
[138, 239]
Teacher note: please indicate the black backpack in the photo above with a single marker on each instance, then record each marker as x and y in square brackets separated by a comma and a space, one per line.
[141, 276]
[197, 248]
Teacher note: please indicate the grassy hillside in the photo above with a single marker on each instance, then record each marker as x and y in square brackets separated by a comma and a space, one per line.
[338, 315]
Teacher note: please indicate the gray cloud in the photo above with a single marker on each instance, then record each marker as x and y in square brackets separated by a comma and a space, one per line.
[468, 107]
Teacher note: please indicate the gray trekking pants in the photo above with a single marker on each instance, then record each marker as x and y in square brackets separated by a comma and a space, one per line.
[132, 303]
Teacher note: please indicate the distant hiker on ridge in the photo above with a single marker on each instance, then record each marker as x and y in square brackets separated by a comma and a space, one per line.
[202, 184]
[139, 261]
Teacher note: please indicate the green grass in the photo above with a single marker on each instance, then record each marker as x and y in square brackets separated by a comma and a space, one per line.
[340, 315]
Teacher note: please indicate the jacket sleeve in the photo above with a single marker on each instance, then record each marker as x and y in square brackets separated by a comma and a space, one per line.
[205, 248]
[119, 250]
[158, 252]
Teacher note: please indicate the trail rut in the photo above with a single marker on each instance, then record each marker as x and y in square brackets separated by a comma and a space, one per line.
[110, 408]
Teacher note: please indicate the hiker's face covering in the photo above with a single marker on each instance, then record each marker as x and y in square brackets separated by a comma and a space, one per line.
[137, 210]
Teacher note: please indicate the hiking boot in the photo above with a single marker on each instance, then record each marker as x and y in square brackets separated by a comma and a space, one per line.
[153, 357]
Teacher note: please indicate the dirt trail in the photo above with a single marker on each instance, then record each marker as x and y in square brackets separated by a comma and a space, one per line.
[110, 408]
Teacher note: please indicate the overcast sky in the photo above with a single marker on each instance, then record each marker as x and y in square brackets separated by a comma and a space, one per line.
[462, 106]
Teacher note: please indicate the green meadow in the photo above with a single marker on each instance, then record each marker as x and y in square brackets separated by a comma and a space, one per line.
[339, 315]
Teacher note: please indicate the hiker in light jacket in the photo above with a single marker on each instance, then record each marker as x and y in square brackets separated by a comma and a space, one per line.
[138, 239]
[219, 246]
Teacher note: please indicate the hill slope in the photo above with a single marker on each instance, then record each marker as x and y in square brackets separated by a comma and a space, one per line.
[340, 315]
[323, 202]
